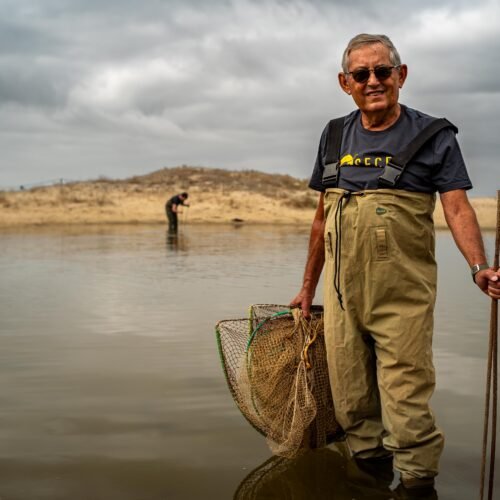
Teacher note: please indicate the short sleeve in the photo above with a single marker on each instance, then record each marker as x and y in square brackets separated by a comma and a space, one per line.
[450, 171]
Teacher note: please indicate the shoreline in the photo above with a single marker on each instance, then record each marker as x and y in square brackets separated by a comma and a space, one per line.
[251, 210]
[439, 224]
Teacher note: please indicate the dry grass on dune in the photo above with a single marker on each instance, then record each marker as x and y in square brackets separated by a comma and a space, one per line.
[216, 195]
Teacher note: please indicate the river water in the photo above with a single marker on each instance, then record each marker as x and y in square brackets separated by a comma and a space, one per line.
[111, 386]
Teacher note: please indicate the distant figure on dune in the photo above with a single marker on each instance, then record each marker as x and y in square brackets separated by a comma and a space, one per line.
[172, 209]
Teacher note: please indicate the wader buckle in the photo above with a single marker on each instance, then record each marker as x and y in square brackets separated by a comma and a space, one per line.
[330, 172]
[391, 174]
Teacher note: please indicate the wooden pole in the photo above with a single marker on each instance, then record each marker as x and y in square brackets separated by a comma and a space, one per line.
[492, 373]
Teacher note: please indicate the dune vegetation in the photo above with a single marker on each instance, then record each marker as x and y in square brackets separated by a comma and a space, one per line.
[215, 196]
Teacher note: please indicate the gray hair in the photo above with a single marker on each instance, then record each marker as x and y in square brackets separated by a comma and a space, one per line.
[366, 39]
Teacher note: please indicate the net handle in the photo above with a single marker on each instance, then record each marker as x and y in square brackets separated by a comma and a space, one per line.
[259, 326]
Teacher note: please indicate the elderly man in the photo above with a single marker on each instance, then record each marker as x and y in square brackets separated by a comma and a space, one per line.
[373, 232]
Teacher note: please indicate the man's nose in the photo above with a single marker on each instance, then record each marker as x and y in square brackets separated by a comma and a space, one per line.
[372, 79]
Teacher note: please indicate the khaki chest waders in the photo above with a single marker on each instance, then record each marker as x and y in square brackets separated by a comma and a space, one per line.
[380, 290]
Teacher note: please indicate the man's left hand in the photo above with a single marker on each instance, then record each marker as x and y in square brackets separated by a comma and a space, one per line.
[488, 281]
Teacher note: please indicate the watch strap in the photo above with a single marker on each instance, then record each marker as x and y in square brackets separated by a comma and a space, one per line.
[476, 268]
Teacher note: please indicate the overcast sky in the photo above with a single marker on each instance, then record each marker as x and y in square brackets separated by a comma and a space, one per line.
[117, 88]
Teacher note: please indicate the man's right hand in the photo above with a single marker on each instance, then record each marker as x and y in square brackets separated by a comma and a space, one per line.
[304, 301]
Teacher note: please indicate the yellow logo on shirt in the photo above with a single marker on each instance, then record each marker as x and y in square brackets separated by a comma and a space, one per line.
[367, 161]
[347, 160]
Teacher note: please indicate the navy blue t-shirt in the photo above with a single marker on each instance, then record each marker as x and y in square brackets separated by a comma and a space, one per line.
[175, 200]
[438, 166]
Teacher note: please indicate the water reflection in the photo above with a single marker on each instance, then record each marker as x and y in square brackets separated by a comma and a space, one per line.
[175, 241]
[326, 474]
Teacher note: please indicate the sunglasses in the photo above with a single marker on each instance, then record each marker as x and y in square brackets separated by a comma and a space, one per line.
[381, 73]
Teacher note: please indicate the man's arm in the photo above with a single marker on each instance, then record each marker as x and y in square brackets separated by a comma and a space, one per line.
[462, 221]
[315, 261]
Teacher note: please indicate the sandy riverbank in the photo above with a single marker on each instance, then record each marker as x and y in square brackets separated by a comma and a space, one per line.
[216, 196]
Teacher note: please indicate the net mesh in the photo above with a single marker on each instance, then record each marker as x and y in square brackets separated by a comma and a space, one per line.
[276, 369]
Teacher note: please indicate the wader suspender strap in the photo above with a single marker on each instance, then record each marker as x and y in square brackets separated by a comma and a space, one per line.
[332, 158]
[396, 166]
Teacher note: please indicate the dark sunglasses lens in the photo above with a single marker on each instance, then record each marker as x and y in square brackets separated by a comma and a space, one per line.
[383, 72]
[361, 75]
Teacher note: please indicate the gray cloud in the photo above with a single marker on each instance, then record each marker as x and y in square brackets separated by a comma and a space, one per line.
[119, 88]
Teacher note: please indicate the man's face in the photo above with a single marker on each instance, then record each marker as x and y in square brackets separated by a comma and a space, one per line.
[374, 95]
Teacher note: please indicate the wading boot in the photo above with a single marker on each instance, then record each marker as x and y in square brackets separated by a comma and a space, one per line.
[416, 489]
[370, 478]
[380, 468]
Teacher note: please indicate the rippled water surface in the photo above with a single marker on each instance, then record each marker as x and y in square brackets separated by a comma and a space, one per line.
[111, 386]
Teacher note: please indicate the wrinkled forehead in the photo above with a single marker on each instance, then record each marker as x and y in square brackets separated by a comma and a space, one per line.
[369, 56]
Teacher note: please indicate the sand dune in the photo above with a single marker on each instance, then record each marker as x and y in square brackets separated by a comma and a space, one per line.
[216, 196]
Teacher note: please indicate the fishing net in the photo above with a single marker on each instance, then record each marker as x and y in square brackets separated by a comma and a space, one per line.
[275, 365]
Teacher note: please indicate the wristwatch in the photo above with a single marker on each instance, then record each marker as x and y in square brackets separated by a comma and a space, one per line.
[476, 268]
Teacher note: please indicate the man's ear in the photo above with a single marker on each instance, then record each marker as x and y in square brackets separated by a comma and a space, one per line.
[344, 85]
[403, 73]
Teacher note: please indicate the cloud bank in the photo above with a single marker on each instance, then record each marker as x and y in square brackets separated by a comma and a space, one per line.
[120, 88]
